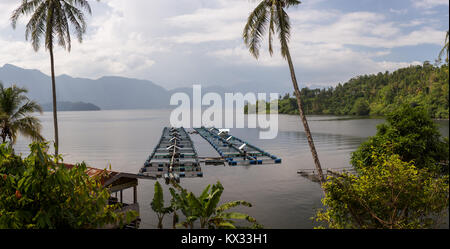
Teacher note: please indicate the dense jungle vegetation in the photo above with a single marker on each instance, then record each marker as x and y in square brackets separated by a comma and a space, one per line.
[378, 95]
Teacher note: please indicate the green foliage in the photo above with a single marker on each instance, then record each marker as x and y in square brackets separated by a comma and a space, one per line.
[180, 202]
[410, 133]
[205, 208]
[426, 85]
[16, 111]
[361, 107]
[10, 163]
[38, 193]
[391, 194]
[157, 204]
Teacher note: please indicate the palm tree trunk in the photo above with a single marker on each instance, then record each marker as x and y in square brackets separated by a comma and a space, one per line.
[55, 118]
[160, 225]
[303, 118]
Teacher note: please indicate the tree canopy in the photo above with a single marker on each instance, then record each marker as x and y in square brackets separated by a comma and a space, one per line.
[379, 94]
[401, 179]
[410, 133]
[391, 194]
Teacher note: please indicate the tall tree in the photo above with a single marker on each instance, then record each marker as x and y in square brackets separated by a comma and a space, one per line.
[51, 20]
[273, 14]
[15, 115]
[445, 48]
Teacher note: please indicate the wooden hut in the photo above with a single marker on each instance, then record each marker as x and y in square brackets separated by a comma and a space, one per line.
[117, 183]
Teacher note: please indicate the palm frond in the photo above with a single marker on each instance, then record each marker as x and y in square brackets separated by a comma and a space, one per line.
[26, 8]
[28, 126]
[82, 4]
[52, 21]
[289, 3]
[283, 28]
[271, 12]
[15, 114]
[255, 28]
[49, 23]
[11, 98]
[445, 48]
[77, 19]
[271, 27]
[27, 108]
[61, 25]
[35, 26]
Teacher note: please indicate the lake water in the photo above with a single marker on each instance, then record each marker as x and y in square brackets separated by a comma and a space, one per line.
[281, 198]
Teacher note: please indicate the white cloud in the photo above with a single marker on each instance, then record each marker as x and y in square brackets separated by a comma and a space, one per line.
[222, 23]
[323, 45]
[18, 53]
[398, 11]
[391, 66]
[6, 9]
[427, 4]
[113, 45]
[365, 29]
[151, 39]
[333, 63]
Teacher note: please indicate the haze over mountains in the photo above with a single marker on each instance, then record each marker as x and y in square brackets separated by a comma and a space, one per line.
[109, 92]
[106, 92]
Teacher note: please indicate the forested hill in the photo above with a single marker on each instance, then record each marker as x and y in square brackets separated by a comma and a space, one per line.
[378, 94]
[70, 106]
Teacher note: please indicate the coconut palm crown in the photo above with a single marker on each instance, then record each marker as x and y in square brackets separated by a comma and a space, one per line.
[269, 13]
[16, 115]
[51, 20]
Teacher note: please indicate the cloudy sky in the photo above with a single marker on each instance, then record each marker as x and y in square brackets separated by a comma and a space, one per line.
[176, 43]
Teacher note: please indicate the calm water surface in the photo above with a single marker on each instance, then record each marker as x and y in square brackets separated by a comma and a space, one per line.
[280, 197]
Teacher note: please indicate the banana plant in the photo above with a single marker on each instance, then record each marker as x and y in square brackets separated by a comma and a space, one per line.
[205, 208]
[224, 219]
[157, 204]
[180, 202]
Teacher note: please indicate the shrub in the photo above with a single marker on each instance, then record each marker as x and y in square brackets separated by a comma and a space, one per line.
[36, 192]
[391, 194]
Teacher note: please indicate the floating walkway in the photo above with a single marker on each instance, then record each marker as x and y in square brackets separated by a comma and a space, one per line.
[234, 150]
[174, 157]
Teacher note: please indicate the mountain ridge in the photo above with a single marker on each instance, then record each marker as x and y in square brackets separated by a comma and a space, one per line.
[108, 92]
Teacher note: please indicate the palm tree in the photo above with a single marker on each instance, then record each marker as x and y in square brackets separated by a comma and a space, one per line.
[51, 20]
[15, 115]
[272, 13]
[445, 48]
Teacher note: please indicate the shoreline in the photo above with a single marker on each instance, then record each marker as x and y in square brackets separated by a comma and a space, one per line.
[346, 117]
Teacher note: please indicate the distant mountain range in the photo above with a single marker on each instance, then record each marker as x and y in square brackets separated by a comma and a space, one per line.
[109, 92]
[106, 92]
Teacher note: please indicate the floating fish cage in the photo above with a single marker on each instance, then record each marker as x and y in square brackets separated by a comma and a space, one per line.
[174, 157]
[234, 150]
